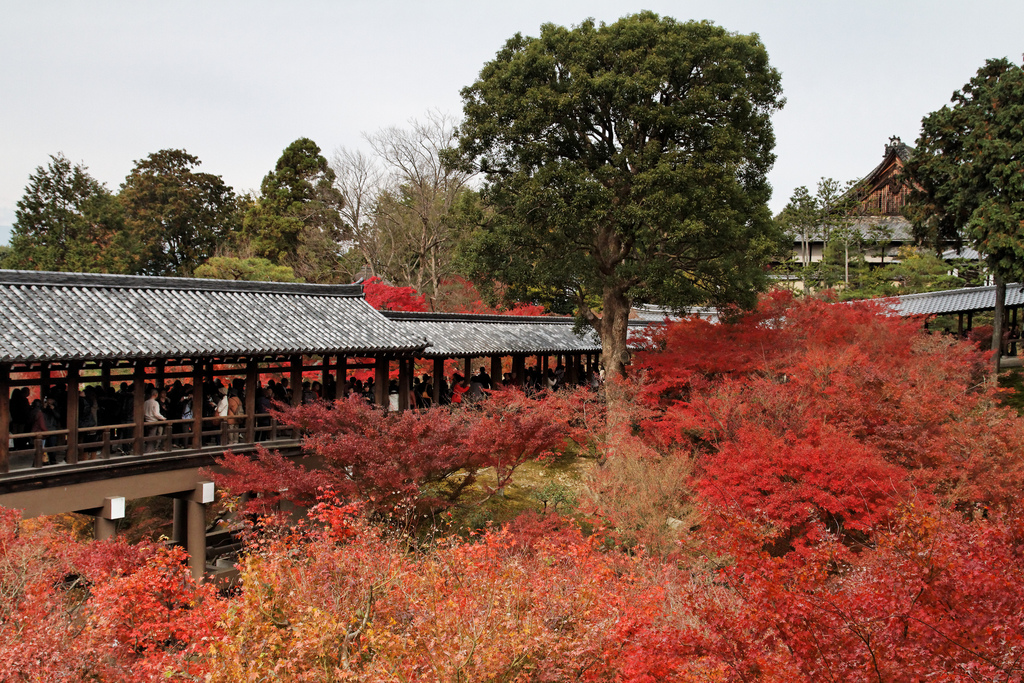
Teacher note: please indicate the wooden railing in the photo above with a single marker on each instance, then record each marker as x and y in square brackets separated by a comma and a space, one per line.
[30, 449]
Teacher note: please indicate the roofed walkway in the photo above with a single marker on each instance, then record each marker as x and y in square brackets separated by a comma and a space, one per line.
[62, 332]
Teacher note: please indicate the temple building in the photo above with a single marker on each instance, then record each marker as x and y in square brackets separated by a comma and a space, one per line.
[877, 217]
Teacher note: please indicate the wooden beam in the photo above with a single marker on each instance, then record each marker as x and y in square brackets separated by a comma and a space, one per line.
[495, 371]
[404, 377]
[252, 385]
[380, 381]
[341, 374]
[438, 376]
[325, 375]
[295, 380]
[71, 412]
[139, 399]
[519, 370]
[5, 417]
[197, 404]
[44, 379]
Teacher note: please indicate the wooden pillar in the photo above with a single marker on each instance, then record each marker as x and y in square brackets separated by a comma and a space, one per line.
[325, 374]
[381, 370]
[5, 417]
[960, 323]
[71, 412]
[139, 398]
[467, 369]
[404, 380]
[341, 375]
[196, 538]
[179, 521]
[197, 403]
[252, 386]
[44, 379]
[519, 369]
[970, 320]
[105, 375]
[161, 377]
[495, 371]
[544, 370]
[295, 380]
[438, 376]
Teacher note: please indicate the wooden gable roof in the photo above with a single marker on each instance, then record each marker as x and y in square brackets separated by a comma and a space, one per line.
[883, 191]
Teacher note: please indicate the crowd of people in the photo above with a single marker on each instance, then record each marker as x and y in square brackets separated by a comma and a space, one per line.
[168, 411]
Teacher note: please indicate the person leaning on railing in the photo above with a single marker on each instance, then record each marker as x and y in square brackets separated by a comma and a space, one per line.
[151, 413]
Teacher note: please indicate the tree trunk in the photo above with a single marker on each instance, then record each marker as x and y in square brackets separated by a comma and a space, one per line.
[613, 326]
[997, 322]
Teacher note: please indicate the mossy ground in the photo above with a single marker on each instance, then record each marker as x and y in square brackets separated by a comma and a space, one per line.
[560, 481]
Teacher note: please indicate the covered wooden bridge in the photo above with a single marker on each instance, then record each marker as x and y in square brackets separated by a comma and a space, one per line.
[115, 337]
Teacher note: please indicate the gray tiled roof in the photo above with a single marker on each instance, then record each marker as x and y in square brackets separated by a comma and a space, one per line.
[902, 230]
[454, 335]
[650, 313]
[965, 300]
[77, 316]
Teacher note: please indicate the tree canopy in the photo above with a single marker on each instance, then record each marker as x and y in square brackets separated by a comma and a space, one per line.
[969, 171]
[68, 221]
[969, 167]
[627, 163]
[178, 215]
[295, 221]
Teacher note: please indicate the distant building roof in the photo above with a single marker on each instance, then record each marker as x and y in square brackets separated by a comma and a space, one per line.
[966, 300]
[657, 314]
[964, 253]
[470, 335]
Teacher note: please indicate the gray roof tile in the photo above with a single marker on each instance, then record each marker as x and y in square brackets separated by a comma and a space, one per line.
[74, 316]
[968, 299]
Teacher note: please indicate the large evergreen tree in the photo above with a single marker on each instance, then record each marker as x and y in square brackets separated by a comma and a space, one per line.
[969, 172]
[178, 215]
[628, 164]
[295, 222]
[68, 221]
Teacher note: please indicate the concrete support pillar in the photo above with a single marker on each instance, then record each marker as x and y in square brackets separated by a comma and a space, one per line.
[103, 528]
[196, 504]
[105, 518]
[196, 543]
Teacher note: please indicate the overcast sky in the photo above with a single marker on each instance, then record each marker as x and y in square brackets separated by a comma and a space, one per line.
[107, 83]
